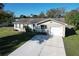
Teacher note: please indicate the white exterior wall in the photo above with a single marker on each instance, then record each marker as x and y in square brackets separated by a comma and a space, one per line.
[51, 24]
[16, 27]
[64, 31]
[19, 27]
[31, 26]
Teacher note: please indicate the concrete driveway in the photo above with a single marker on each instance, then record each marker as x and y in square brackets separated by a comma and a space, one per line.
[41, 45]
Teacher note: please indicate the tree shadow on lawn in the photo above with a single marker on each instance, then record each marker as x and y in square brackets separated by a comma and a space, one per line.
[10, 43]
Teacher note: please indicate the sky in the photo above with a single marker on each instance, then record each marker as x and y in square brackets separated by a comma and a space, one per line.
[36, 8]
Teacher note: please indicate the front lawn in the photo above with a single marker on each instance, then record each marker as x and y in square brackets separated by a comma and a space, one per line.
[7, 31]
[72, 44]
[11, 40]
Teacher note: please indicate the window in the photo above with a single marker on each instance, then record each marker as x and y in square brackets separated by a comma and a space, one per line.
[43, 26]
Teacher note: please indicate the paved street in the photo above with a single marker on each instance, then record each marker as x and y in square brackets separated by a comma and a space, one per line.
[41, 45]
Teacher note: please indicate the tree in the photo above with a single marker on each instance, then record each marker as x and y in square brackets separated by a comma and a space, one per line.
[72, 17]
[42, 15]
[56, 13]
[23, 16]
[34, 16]
[50, 13]
[6, 16]
[10, 17]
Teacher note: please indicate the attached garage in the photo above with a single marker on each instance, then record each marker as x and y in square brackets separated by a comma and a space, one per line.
[54, 28]
[56, 31]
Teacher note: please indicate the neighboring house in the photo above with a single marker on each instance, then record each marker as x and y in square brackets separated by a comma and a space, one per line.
[52, 26]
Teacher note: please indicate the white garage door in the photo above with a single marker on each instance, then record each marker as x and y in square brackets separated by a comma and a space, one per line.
[57, 31]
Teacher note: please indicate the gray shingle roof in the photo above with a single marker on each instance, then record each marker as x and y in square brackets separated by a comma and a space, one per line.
[38, 20]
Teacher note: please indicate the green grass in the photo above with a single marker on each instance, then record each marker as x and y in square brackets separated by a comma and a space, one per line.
[7, 31]
[11, 40]
[72, 44]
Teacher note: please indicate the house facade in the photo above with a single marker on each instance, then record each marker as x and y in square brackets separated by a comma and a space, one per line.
[52, 26]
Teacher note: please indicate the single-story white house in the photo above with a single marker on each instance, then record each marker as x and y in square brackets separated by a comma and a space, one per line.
[52, 26]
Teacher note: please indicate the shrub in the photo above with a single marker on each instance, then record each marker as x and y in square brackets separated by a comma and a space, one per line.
[77, 26]
[28, 29]
[69, 32]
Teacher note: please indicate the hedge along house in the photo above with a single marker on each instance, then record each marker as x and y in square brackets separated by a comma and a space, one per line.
[52, 26]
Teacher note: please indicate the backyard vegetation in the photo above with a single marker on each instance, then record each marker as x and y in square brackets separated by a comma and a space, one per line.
[10, 39]
[72, 44]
